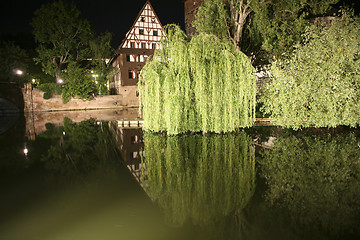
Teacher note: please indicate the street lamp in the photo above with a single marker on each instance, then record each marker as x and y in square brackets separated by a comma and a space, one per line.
[95, 76]
[19, 72]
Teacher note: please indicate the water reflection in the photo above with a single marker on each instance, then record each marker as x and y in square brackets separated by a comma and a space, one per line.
[130, 145]
[314, 182]
[78, 149]
[73, 185]
[197, 178]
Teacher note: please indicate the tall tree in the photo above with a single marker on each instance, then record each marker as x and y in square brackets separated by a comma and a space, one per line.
[199, 85]
[278, 23]
[320, 84]
[63, 36]
[281, 23]
[101, 53]
[224, 18]
[12, 58]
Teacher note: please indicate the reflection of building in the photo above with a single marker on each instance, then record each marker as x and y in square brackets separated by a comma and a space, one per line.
[190, 10]
[139, 43]
[130, 144]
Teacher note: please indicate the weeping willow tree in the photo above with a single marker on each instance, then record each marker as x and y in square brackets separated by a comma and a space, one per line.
[199, 178]
[316, 181]
[202, 84]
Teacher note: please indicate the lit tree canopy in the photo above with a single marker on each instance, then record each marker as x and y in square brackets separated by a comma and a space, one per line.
[63, 35]
[273, 25]
[224, 18]
[281, 23]
[66, 42]
[202, 84]
[319, 85]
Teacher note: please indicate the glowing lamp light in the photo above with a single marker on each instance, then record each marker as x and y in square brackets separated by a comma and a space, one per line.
[33, 80]
[26, 151]
[19, 72]
[60, 81]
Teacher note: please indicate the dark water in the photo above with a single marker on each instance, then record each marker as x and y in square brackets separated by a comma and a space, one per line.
[96, 180]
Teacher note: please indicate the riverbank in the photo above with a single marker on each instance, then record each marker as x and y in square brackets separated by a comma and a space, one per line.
[36, 121]
[35, 102]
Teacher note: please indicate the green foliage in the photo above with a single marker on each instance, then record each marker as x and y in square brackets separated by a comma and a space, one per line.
[78, 84]
[78, 149]
[50, 89]
[63, 36]
[281, 23]
[319, 85]
[228, 20]
[262, 28]
[212, 18]
[316, 181]
[13, 57]
[102, 50]
[199, 85]
[202, 179]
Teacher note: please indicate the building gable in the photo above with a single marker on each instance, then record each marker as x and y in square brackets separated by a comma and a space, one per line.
[146, 32]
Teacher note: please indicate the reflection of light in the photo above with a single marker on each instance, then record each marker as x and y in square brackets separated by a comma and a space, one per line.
[60, 81]
[26, 151]
[98, 123]
[64, 133]
[33, 80]
[19, 72]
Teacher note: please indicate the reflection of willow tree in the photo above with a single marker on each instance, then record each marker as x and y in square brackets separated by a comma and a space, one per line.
[79, 149]
[316, 180]
[200, 178]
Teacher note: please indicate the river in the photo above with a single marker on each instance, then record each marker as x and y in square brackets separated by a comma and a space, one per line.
[75, 175]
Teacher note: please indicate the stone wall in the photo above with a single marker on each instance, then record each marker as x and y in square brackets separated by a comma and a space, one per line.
[34, 101]
[36, 121]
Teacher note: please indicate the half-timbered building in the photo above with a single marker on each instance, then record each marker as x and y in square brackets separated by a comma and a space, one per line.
[140, 42]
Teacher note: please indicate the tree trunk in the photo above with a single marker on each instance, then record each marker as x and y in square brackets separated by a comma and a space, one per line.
[239, 13]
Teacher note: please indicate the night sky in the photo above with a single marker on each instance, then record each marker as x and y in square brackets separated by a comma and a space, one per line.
[104, 15]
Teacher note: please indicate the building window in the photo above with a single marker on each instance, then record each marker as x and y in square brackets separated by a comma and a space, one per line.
[141, 31]
[153, 46]
[142, 19]
[132, 45]
[155, 32]
[131, 74]
[127, 57]
[137, 93]
[143, 45]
